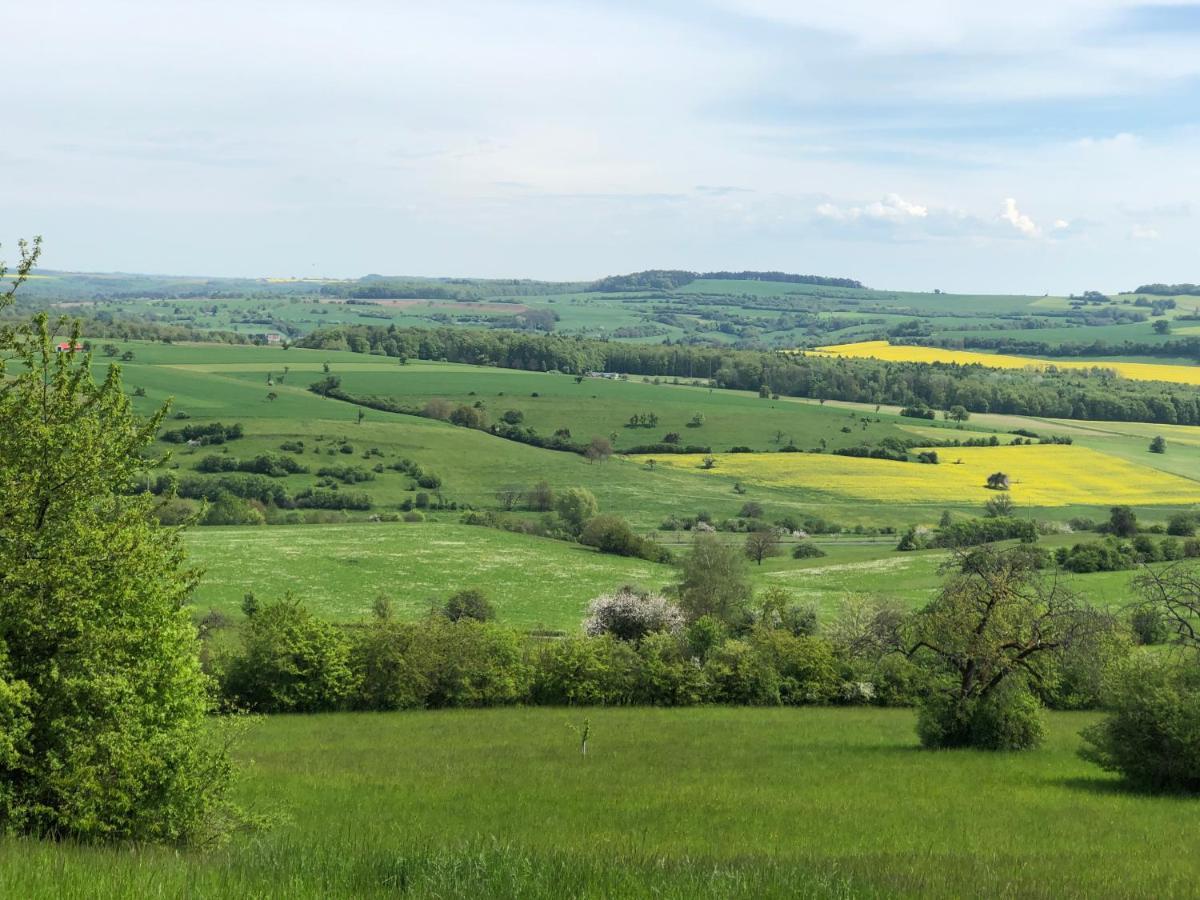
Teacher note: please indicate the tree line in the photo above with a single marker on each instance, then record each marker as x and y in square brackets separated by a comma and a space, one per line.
[669, 279]
[1075, 394]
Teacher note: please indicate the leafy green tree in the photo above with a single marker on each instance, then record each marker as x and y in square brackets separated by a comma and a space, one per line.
[291, 661]
[104, 710]
[714, 581]
[470, 603]
[575, 506]
[957, 414]
[1158, 445]
[999, 507]
[991, 631]
[1122, 522]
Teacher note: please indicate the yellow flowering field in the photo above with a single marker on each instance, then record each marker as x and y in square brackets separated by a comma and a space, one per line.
[904, 353]
[1041, 475]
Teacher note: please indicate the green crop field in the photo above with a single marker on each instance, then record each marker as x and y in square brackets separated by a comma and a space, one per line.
[670, 803]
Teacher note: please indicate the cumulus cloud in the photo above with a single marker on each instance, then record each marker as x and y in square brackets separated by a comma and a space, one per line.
[892, 208]
[1019, 220]
[1143, 233]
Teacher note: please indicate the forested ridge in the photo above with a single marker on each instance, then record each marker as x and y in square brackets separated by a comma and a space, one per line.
[669, 279]
[1097, 395]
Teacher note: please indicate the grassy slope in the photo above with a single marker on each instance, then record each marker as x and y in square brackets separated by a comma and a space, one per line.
[339, 570]
[676, 803]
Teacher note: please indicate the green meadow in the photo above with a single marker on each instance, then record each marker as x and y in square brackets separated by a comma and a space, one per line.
[669, 803]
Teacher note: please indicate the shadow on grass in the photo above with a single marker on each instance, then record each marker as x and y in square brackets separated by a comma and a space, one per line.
[1118, 787]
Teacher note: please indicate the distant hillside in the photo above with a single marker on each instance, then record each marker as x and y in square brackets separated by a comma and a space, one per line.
[668, 279]
[1170, 290]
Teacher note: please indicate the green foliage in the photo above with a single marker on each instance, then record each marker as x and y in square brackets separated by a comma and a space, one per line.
[1152, 737]
[973, 532]
[1009, 718]
[1122, 522]
[104, 727]
[807, 550]
[1108, 555]
[1182, 524]
[738, 673]
[996, 625]
[589, 671]
[290, 661]
[575, 506]
[714, 581]
[1149, 625]
[807, 673]
[612, 534]
[470, 603]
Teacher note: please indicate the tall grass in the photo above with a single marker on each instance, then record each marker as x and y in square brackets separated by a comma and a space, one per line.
[672, 803]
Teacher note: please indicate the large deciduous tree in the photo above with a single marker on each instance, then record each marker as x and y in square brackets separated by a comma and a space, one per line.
[990, 633]
[104, 730]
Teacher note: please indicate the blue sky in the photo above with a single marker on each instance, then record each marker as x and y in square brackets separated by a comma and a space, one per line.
[1017, 147]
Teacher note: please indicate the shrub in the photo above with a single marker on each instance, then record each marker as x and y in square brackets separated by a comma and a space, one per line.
[667, 676]
[471, 603]
[704, 635]
[575, 506]
[1007, 718]
[1096, 556]
[105, 727]
[1078, 673]
[807, 550]
[291, 661]
[737, 673]
[630, 614]
[384, 661]
[611, 534]
[229, 510]
[584, 671]
[1182, 524]
[469, 663]
[1152, 737]
[973, 532]
[807, 673]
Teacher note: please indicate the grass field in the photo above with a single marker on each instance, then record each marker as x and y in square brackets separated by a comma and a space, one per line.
[339, 570]
[1139, 371]
[537, 583]
[671, 803]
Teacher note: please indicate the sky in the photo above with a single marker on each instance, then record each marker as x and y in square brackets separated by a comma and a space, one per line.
[1029, 146]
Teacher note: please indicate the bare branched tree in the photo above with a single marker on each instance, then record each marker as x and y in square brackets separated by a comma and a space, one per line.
[1175, 592]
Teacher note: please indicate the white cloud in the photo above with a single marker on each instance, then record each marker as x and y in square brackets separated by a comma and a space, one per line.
[1019, 220]
[1143, 233]
[892, 208]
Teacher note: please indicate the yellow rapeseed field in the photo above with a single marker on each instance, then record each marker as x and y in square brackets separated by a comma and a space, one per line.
[1041, 475]
[904, 353]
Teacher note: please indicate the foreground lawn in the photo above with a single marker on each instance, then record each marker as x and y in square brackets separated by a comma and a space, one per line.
[677, 803]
